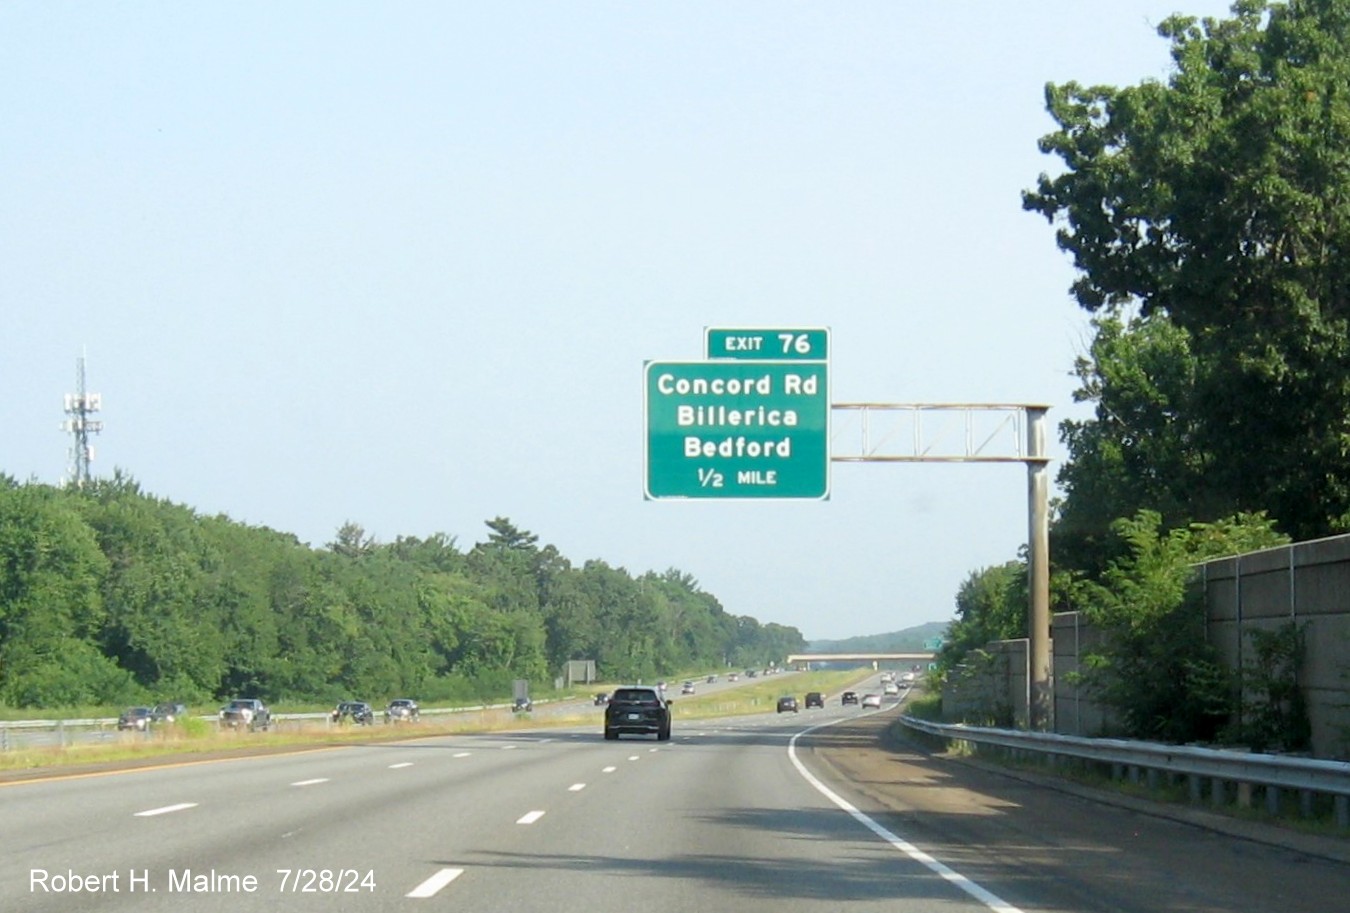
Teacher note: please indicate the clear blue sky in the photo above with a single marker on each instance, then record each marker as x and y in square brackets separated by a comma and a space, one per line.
[401, 264]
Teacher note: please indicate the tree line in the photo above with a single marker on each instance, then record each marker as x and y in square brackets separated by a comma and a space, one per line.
[1208, 217]
[109, 595]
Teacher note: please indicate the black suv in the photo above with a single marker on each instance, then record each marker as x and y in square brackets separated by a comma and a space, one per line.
[814, 699]
[637, 709]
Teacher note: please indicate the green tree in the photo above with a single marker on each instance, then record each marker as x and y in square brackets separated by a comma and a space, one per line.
[158, 625]
[1139, 450]
[51, 609]
[1220, 201]
[1155, 666]
[991, 604]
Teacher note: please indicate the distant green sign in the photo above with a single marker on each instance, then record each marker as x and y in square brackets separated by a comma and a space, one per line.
[754, 344]
[737, 429]
[933, 643]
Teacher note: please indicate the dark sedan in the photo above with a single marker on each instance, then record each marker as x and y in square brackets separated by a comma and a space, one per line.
[787, 703]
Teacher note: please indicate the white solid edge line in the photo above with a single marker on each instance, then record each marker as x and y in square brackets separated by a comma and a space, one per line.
[432, 885]
[986, 897]
[165, 810]
[530, 817]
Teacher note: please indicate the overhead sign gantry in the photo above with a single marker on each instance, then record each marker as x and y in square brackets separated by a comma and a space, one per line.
[753, 421]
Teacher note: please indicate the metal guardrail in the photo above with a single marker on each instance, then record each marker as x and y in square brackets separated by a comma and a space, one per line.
[17, 734]
[1216, 767]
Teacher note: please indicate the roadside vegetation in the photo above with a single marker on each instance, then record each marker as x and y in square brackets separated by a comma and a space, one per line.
[1208, 216]
[112, 597]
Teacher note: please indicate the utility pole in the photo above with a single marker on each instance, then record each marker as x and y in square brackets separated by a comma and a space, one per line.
[79, 406]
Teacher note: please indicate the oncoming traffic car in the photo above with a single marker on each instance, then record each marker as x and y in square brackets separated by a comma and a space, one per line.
[168, 712]
[402, 710]
[246, 713]
[358, 712]
[137, 718]
[637, 710]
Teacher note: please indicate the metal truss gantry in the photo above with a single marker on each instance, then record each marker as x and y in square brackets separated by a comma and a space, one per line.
[970, 433]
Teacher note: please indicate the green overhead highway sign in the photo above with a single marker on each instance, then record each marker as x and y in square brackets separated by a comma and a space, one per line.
[737, 429]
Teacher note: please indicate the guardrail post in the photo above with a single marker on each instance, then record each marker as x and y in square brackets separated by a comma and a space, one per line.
[1196, 788]
[61, 733]
[1244, 794]
[1342, 804]
[1216, 791]
[1305, 803]
[1273, 801]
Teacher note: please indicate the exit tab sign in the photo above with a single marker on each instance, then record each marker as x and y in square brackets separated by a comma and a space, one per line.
[756, 344]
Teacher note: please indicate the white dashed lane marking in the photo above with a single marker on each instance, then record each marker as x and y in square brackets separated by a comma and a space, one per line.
[609, 770]
[576, 787]
[530, 817]
[149, 813]
[401, 766]
[432, 885]
[461, 754]
[314, 782]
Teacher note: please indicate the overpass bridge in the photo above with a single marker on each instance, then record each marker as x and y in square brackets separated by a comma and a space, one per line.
[876, 659]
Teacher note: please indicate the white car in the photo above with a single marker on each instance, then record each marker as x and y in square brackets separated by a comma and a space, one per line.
[890, 688]
[871, 700]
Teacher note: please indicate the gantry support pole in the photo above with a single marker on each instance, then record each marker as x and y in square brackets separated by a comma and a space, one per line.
[1040, 702]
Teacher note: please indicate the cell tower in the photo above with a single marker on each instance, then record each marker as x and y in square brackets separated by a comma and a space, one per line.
[79, 406]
